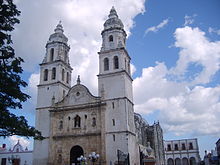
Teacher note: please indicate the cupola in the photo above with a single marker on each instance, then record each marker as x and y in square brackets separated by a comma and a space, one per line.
[58, 35]
[113, 21]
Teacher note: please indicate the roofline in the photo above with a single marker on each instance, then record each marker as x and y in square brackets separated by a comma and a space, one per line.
[181, 139]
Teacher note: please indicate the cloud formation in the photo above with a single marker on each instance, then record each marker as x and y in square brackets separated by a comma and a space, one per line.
[186, 106]
[158, 27]
[189, 19]
[195, 48]
[212, 30]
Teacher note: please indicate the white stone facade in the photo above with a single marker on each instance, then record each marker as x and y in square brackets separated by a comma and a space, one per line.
[17, 155]
[74, 121]
[182, 152]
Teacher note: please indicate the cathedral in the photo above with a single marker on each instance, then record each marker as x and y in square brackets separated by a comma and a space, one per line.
[75, 123]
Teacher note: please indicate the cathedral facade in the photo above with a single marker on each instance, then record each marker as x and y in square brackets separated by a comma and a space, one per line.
[72, 120]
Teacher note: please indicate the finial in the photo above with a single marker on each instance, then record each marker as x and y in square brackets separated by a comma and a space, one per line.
[78, 79]
[113, 13]
[59, 28]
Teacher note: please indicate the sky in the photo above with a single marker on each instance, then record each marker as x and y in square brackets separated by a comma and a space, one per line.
[174, 48]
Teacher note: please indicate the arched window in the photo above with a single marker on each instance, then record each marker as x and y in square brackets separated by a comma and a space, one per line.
[51, 54]
[63, 72]
[64, 93]
[60, 125]
[53, 73]
[93, 121]
[77, 121]
[65, 56]
[106, 64]
[110, 38]
[45, 74]
[113, 122]
[116, 62]
[67, 77]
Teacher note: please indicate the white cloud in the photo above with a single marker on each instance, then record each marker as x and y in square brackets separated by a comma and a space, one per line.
[33, 81]
[158, 27]
[189, 19]
[212, 30]
[185, 107]
[133, 69]
[23, 141]
[195, 48]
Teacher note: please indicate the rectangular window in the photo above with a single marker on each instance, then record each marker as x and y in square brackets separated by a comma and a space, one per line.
[53, 73]
[113, 105]
[176, 147]
[183, 146]
[168, 147]
[190, 146]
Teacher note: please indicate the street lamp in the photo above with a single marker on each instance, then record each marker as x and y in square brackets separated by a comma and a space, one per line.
[82, 159]
[93, 157]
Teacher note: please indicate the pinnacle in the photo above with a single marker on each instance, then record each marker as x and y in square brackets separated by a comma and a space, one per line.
[78, 79]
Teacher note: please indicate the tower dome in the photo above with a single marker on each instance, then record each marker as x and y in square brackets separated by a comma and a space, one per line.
[113, 21]
[58, 35]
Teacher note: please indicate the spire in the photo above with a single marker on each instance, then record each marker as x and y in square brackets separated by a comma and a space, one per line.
[59, 28]
[78, 79]
[113, 13]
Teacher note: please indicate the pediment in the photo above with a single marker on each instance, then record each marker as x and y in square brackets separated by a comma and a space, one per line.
[78, 94]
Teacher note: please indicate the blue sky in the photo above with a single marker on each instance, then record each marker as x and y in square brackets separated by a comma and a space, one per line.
[174, 47]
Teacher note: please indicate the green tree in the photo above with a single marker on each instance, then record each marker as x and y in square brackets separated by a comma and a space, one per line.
[11, 96]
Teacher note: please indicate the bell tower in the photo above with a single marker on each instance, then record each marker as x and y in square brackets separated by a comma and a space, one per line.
[55, 82]
[55, 70]
[115, 88]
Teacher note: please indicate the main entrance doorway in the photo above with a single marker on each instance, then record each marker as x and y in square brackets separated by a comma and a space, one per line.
[75, 152]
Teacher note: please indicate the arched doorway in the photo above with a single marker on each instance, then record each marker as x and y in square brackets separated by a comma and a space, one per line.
[185, 161]
[177, 161]
[170, 161]
[75, 152]
[192, 161]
